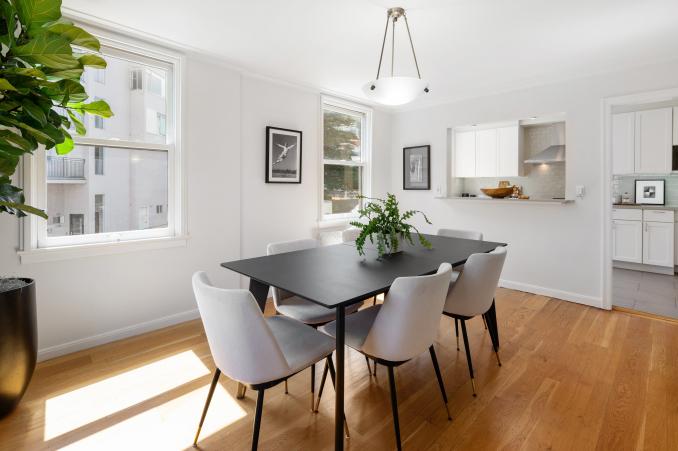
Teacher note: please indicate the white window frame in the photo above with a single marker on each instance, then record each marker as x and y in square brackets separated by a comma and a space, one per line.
[37, 247]
[355, 109]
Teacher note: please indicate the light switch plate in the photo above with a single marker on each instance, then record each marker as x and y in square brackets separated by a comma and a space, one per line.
[581, 191]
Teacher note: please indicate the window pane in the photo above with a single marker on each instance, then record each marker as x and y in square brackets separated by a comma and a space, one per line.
[343, 185]
[126, 196]
[341, 136]
[136, 93]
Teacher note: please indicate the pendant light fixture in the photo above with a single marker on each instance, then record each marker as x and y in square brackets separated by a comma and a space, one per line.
[395, 90]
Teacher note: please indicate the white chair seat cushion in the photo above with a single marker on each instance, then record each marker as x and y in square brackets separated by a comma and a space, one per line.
[300, 344]
[309, 312]
[358, 326]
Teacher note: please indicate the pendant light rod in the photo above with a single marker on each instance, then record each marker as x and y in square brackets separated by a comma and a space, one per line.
[383, 44]
[395, 19]
[412, 45]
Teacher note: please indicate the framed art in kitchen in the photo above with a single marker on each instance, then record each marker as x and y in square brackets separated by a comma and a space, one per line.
[283, 155]
[417, 168]
[650, 192]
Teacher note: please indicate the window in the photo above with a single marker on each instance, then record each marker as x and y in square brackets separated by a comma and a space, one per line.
[133, 191]
[98, 160]
[135, 80]
[98, 213]
[100, 76]
[346, 157]
[156, 84]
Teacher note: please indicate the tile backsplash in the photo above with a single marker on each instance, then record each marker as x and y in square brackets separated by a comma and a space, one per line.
[627, 184]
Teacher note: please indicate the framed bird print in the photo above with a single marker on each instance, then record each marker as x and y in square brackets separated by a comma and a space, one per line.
[417, 167]
[283, 155]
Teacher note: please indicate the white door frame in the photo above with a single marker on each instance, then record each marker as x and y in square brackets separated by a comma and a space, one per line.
[607, 105]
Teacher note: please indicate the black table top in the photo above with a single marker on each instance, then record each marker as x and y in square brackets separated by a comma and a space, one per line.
[336, 275]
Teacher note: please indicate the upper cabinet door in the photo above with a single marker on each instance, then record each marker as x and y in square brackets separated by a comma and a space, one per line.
[623, 143]
[508, 155]
[653, 143]
[465, 154]
[486, 153]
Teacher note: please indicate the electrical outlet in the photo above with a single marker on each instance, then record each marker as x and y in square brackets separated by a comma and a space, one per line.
[581, 191]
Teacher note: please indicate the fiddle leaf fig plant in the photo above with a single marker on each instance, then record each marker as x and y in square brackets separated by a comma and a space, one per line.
[387, 225]
[42, 57]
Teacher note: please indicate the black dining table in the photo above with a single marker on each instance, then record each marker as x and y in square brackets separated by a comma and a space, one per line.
[336, 276]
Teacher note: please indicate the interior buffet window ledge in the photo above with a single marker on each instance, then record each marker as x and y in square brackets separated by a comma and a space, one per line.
[50, 254]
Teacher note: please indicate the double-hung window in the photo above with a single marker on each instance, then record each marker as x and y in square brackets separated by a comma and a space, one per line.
[142, 167]
[347, 145]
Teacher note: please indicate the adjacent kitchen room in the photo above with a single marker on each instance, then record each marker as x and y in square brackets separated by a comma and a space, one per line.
[644, 149]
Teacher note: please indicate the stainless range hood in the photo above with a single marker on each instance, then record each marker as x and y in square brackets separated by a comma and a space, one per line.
[552, 154]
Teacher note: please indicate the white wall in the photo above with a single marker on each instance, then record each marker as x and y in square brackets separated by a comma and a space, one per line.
[554, 249]
[231, 212]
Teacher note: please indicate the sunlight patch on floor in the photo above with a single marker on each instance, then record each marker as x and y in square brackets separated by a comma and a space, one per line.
[170, 426]
[77, 408]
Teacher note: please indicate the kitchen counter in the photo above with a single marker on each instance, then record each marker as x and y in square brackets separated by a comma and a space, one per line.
[508, 200]
[646, 207]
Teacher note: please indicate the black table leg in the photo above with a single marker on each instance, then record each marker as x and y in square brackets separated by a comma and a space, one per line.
[491, 317]
[260, 292]
[339, 400]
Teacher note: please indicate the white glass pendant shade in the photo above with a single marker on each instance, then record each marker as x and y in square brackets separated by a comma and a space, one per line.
[395, 90]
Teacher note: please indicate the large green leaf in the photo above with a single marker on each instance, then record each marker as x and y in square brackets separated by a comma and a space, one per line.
[48, 49]
[9, 20]
[75, 35]
[79, 126]
[36, 13]
[34, 111]
[66, 74]
[92, 61]
[65, 91]
[97, 108]
[15, 140]
[6, 86]
[23, 71]
[8, 162]
[66, 146]
[20, 209]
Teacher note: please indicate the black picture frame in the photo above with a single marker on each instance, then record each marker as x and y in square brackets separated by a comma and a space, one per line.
[425, 168]
[271, 138]
[659, 192]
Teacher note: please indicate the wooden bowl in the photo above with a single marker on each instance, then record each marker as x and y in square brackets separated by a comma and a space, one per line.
[497, 193]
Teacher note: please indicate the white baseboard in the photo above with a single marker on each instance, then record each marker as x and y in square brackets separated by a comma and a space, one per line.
[559, 294]
[118, 334]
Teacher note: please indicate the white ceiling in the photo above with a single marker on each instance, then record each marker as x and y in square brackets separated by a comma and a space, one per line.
[466, 48]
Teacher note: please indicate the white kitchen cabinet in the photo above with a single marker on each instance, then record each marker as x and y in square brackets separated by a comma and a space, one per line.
[465, 154]
[509, 157]
[653, 141]
[486, 153]
[658, 243]
[627, 241]
[623, 143]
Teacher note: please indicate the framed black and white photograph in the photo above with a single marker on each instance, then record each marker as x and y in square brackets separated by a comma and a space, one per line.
[417, 167]
[283, 155]
[650, 192]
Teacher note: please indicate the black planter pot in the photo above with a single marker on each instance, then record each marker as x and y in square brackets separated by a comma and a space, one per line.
[18, 344]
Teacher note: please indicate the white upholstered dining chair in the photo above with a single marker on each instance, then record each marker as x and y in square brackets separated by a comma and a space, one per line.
[473, 294]
[401, 328]
[250, 349]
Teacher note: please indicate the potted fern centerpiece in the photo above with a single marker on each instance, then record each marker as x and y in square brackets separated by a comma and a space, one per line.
[387, 226]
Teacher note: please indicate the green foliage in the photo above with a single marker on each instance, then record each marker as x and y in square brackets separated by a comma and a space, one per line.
[385, 222]
[40, 89]
[341, 135]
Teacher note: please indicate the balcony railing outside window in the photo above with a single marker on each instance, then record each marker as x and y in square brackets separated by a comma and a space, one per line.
[65, 168]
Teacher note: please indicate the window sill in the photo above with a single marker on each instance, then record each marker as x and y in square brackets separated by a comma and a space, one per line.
[95, 249]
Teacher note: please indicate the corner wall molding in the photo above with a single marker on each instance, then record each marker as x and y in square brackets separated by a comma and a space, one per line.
[553, 293]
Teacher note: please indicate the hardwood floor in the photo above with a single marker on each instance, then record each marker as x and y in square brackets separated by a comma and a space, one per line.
[573, 377]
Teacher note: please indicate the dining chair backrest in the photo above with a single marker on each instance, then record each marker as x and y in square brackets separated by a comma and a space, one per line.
[282, 247]
[465, 234]
[407, 322]
[473, 292]
[349, 234]
[242, 345]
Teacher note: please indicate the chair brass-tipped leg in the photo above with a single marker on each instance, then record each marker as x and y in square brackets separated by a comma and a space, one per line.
[242, 389]
[330, 367]
[369, 368]
[313, 387]
[375, 369]
[498, 359]
[456, 331]
[213, 385]
[484, 321]
[320, 391]
[473, 384]
[286, 392]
